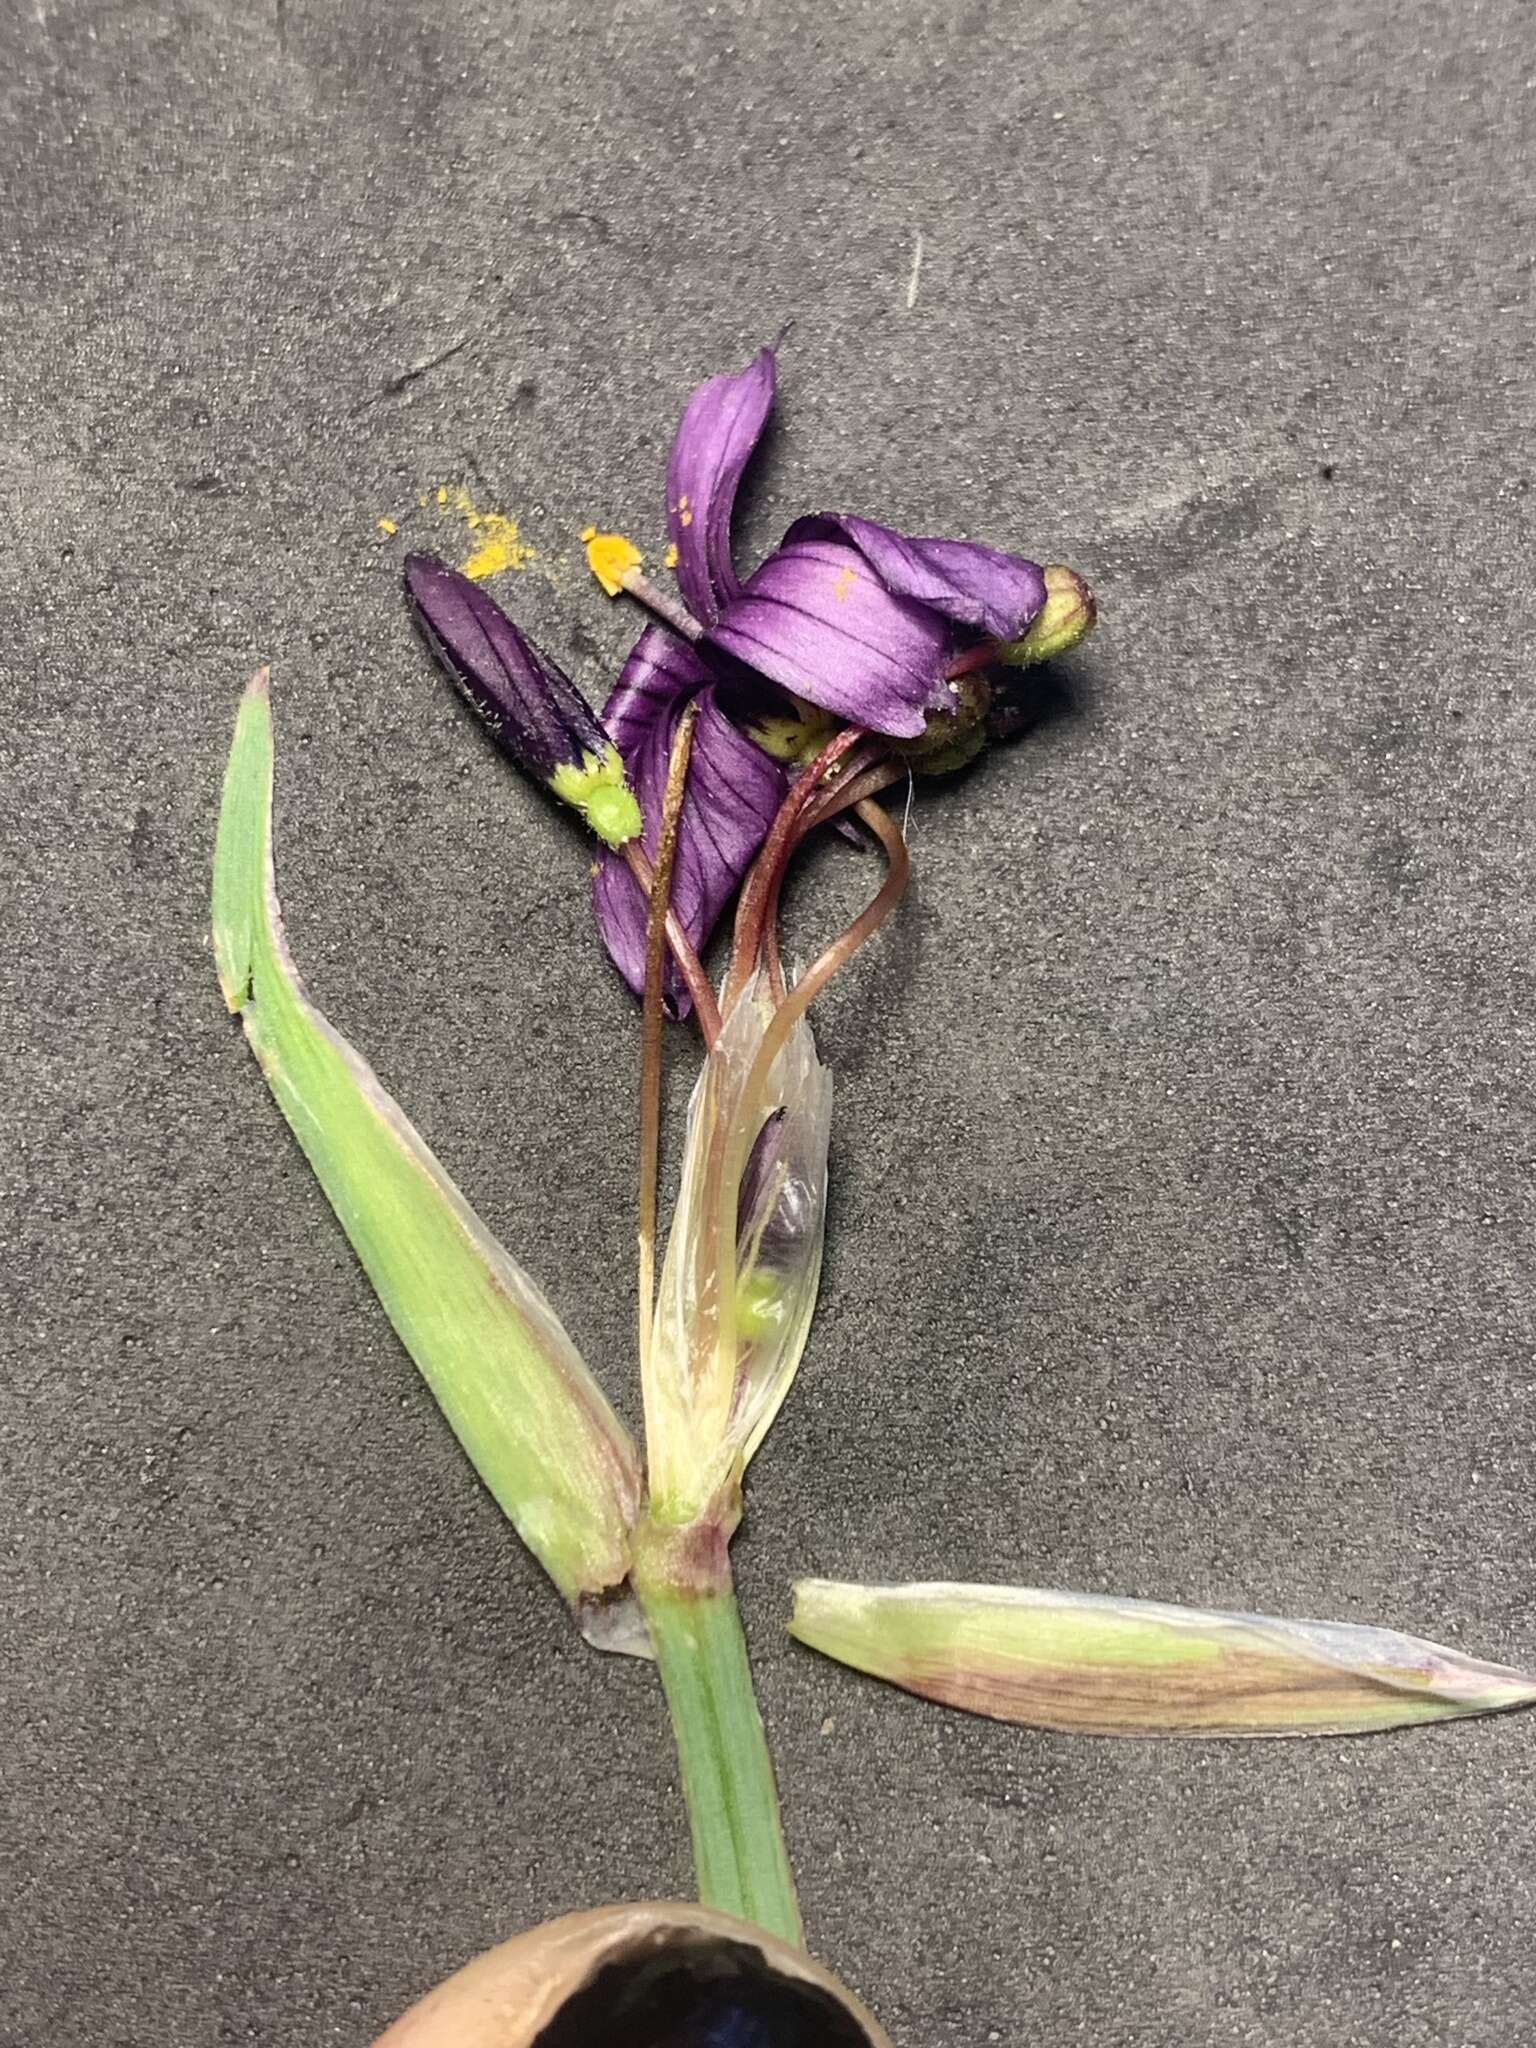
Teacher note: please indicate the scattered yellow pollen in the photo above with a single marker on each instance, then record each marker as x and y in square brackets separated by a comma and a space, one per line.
[388, 526]
[685, 519]
[611, 558]
[500, 550]
[670, 557]
[843, 582]
[500, 544]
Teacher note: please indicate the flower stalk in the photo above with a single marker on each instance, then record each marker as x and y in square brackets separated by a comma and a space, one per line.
[651, 1022]
[683, 1580]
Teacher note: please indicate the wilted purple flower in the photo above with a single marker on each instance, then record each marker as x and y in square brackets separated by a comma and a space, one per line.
[531, 708]
[846, 616]
[845, 613]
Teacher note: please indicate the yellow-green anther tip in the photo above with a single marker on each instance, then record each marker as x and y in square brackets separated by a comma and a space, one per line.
[1066, 618]
[799, 736]
[600, 790]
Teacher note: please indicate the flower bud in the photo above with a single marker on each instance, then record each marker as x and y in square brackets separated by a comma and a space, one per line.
[1066, 617]
[530, 707]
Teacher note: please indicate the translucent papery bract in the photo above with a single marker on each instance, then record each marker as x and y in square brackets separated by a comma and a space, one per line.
[1090, 1664]
[738, 1286]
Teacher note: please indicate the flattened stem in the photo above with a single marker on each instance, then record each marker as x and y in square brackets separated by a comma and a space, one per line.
[683, 1579]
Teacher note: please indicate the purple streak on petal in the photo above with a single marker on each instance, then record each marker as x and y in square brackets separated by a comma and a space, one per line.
[719, 429]
[531, 708]
[974, 585]
[734, 792]
[817, 619]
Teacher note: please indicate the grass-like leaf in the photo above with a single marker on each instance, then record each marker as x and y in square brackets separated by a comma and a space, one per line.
[1096, 1666]
[536, 1425]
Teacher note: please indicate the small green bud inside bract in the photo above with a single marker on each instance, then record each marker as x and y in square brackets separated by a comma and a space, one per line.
[1066, 617]
[743, 1262]
[1091, 1665]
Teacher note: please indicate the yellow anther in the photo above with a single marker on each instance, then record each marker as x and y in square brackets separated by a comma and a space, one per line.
[611, 558]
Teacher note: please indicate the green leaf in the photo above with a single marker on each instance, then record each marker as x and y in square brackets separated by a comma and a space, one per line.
[535, 1424]
[1095, 1666]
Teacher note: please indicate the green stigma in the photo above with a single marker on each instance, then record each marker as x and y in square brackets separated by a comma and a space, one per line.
[600, 790]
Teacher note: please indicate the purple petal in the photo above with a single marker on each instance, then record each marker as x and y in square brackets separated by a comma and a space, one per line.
[818, 619]
[715, 438]
[976, 586]
[734, 791]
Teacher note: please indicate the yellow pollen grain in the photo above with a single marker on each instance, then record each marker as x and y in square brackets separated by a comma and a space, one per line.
[843, 582]
[500, 544]
[388, 526]
[611, 558]
[670, 557]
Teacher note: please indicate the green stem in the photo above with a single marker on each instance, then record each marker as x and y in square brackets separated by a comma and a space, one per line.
[740, 1861]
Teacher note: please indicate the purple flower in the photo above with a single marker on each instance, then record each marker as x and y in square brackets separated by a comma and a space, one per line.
[846, 615]
[734, 789]
[530, 707]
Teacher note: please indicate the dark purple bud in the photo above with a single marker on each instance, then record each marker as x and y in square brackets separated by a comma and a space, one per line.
[530, 707]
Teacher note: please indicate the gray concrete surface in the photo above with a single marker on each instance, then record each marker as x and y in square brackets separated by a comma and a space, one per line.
[1182, 1237]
